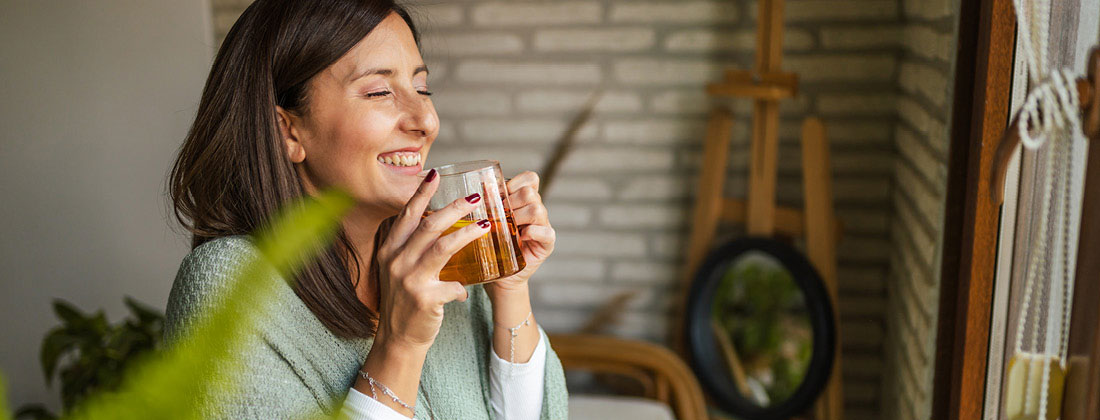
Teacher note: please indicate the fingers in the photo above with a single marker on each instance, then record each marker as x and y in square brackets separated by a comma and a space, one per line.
[523, 196]
[531, 214]
[440, 251]
[409, 218]
[538, 233]
[453, 290]
[433, 225]
[525, 179]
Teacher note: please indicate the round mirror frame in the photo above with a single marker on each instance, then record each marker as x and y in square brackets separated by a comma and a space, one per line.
[708, 364]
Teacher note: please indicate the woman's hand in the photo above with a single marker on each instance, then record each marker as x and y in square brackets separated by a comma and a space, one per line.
[410, 259]
[535, 234]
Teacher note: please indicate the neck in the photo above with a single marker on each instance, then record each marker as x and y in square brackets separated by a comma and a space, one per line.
[360, 226]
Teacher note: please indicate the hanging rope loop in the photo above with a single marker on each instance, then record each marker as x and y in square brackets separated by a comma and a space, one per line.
[1050, 109]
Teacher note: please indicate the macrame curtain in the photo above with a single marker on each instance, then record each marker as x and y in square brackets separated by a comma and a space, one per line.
[1049, 127]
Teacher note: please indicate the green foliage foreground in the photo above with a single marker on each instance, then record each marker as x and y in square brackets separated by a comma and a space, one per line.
[90, 354]
[167, 384]
[5, 413]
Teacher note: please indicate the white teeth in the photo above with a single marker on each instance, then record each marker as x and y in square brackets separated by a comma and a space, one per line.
[401, 159]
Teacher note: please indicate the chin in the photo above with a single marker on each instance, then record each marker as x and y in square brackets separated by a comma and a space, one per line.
[398, 197]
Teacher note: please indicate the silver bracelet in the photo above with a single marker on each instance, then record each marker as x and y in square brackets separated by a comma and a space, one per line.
[512, 344]
[385, 390]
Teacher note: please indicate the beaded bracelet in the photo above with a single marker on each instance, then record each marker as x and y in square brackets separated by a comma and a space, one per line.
[512, 343]
[385, 390]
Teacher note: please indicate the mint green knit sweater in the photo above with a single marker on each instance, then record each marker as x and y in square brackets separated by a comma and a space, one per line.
[293, 365]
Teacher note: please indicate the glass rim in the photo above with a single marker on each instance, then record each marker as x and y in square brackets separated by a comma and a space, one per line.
[460, 168]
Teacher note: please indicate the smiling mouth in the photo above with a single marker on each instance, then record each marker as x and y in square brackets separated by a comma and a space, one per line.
[403, 159]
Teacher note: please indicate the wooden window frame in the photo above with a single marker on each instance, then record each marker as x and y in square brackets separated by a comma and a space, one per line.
[983, 76]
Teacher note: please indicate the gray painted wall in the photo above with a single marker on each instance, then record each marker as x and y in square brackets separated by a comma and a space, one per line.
[95, 99]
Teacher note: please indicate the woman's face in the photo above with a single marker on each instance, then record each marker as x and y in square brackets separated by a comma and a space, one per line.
[368, 122]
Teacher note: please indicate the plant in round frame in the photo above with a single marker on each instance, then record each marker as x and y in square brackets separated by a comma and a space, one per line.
[762, 310]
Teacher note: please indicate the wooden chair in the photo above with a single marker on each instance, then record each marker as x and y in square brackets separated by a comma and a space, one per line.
[662, 374]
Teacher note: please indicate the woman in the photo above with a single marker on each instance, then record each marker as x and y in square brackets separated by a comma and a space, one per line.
[305, 96]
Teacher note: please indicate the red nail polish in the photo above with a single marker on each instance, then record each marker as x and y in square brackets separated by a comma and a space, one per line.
[484, 223]
[430, 176]
[473, 198]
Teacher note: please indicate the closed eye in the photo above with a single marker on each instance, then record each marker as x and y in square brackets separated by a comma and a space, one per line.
[386, 92]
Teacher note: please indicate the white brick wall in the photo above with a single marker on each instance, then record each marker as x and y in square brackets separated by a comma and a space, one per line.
[536, 13]
[844, 37]
[510, 76]
[743, 41]
[840, 10]
[434, 16]
[684, 12]
[870, 104]
[505, 72]
[925, 79]
[578, 189]
[471, 44]
[666, 71]
[568, 101]
[625, 39]
[590, 243]
[858, 68]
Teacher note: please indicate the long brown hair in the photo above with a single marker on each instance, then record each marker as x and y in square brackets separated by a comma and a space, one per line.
[233, 172]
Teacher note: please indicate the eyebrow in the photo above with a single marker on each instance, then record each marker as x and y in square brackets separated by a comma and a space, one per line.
[383, 72]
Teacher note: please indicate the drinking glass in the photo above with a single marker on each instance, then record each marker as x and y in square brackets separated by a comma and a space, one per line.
[496, 254]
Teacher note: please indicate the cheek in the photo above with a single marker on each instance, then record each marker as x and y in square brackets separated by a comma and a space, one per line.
[343, 151]
[362, 133]
[356, 138]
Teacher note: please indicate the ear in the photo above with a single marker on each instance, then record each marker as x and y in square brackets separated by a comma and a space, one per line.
[289, 132]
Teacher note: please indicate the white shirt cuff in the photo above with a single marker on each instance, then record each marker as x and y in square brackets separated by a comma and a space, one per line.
[358, 406]
[516, 388]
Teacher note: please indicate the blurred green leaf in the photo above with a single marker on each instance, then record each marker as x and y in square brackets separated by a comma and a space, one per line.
[98, 324]
[68, 313]
[4, 400]
[144, 313]
[168, 384]
[34, 412]
[57, 342]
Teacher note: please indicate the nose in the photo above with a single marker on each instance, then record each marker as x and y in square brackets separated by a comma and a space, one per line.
[419, 117]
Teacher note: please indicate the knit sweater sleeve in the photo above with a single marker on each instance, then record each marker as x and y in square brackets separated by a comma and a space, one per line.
[262, 384]
[555, 400]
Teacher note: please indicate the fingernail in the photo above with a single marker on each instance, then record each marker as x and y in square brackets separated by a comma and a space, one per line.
[430, 176]
[473, 198]
[484, 223]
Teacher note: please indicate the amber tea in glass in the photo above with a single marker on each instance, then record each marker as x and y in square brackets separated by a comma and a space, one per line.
[496, 254]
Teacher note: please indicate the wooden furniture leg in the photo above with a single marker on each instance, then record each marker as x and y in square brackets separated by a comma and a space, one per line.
[762, 169]
[666, 377]
[821, 243]
[708, 208]
[765, 127]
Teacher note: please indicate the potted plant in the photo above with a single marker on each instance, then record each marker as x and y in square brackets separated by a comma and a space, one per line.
[89, 354]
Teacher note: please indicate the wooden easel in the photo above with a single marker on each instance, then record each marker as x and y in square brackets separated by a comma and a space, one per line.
[766, 85]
